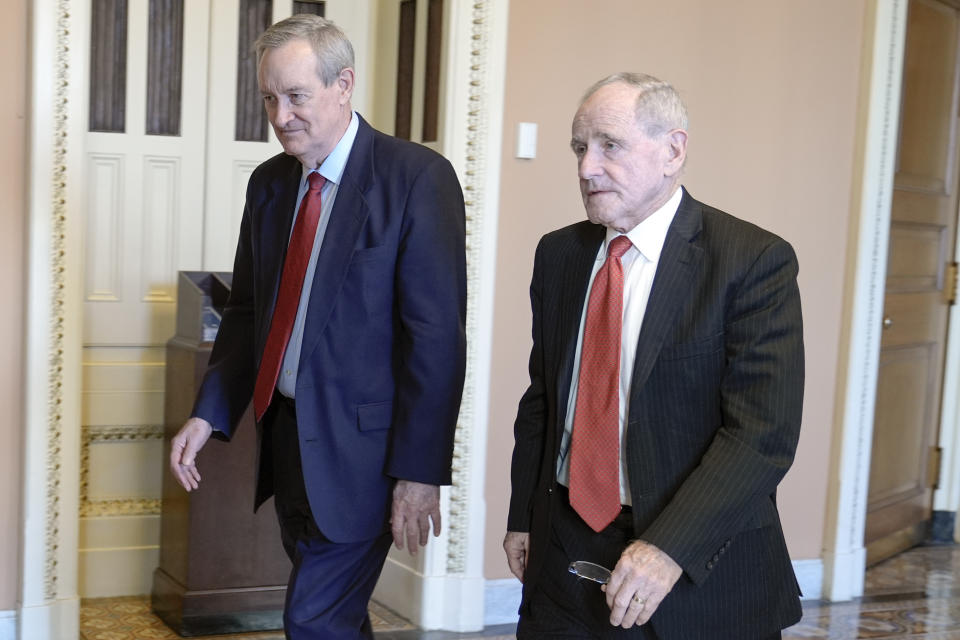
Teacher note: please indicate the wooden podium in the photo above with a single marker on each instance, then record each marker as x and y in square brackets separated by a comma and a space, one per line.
[222, 567]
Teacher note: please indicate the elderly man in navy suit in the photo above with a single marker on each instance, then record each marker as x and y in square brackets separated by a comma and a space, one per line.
[345, 326]
[666, 387]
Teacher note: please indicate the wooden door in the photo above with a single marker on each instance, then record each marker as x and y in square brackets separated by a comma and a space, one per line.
[919, 286]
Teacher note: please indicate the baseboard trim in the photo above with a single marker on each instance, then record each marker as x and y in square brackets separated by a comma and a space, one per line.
[502, 597]
[844, 574]
[501, 600]
[943, 526]
[447, 602]
[8, 625]
[56, 620]
[809, 577]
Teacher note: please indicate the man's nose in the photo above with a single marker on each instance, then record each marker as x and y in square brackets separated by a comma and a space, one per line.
[281, 115]
[589, 166]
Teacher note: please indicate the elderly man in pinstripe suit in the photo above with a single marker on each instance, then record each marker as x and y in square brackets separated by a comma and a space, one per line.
[666, 388]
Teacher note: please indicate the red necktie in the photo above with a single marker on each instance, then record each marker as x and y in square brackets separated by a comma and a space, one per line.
[288, 298]
[595, 449]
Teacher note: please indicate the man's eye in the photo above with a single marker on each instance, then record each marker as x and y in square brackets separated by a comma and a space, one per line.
[610, 146]
[578, 149]
[268, 99]
[297, 98]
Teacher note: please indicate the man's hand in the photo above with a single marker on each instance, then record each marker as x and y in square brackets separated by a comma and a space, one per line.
[183, 451]
[517, 546]
[414, 505]
[641, 580]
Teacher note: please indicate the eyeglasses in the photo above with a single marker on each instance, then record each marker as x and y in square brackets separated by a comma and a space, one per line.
[590, 571]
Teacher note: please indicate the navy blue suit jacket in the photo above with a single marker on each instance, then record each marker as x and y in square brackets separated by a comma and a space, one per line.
[382, 365]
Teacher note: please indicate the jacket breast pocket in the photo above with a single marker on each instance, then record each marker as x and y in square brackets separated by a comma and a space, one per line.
[370, 254]
[692, 349]
[368, 285]
[375, 416]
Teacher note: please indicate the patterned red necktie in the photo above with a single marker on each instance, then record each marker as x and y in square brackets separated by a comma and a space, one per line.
[288, 298]
[595, 449]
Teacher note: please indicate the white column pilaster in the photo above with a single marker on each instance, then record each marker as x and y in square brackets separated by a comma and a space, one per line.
[844, 552]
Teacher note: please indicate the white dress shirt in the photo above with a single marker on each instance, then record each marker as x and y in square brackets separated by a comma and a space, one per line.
[639, 266]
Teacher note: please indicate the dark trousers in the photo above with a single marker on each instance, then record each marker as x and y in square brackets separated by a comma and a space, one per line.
[566, 607]
[331, 582]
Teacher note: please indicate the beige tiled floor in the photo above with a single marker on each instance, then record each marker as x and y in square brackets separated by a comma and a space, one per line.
[914, 596]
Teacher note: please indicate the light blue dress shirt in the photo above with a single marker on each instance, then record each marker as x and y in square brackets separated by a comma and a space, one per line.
[331, 169]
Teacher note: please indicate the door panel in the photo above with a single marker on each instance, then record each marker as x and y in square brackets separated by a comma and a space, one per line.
[906, 378]
[926, 154]
[922, 229]
[144, 198]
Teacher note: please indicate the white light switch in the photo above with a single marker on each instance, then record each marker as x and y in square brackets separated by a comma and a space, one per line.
[527, 140]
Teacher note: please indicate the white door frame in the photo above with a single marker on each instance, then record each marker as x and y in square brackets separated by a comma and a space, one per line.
[844, 553]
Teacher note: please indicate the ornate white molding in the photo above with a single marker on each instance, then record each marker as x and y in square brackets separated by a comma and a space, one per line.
[135, 433]
[58, 269]
[474, 172]
[48, 602]
[118, 507]
[126, 507]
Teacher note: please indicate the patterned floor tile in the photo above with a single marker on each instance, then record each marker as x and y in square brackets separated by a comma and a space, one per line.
[130, 618]
[914, 596]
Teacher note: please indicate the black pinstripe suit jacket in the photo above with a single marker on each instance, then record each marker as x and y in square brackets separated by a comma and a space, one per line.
[715, 406]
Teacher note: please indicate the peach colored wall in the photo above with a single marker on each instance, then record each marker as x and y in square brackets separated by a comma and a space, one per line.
[13, 214]
[772, 92]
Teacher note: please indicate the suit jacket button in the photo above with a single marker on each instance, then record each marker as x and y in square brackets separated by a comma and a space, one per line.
[723, 550]
[709, 565]
[716, 557]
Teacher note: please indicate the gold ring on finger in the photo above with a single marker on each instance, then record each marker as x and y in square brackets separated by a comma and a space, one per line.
[636, 598]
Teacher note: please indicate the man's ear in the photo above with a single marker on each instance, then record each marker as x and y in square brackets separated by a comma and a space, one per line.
[676, 144]
[346, 83]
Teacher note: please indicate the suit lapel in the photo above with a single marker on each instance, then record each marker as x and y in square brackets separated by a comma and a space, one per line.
[680, 261]
[347, 219]
[577, 265]
[281, 196]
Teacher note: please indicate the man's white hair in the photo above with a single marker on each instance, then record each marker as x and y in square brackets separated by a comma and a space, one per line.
[659, 108]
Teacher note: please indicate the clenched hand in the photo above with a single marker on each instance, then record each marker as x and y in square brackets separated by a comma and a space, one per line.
[516, 544]
[643, 577]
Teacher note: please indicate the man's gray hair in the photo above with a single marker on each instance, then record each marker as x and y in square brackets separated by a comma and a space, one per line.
[659, 108]
[334, 52]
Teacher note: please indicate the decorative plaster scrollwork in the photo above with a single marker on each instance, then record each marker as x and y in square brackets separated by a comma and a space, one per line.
[123, 507]
[132, 507]
[474, 172]
[136, 433]
[58, 233]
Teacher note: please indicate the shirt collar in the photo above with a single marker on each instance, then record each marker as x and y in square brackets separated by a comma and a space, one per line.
[333, 166]
[648, 236]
